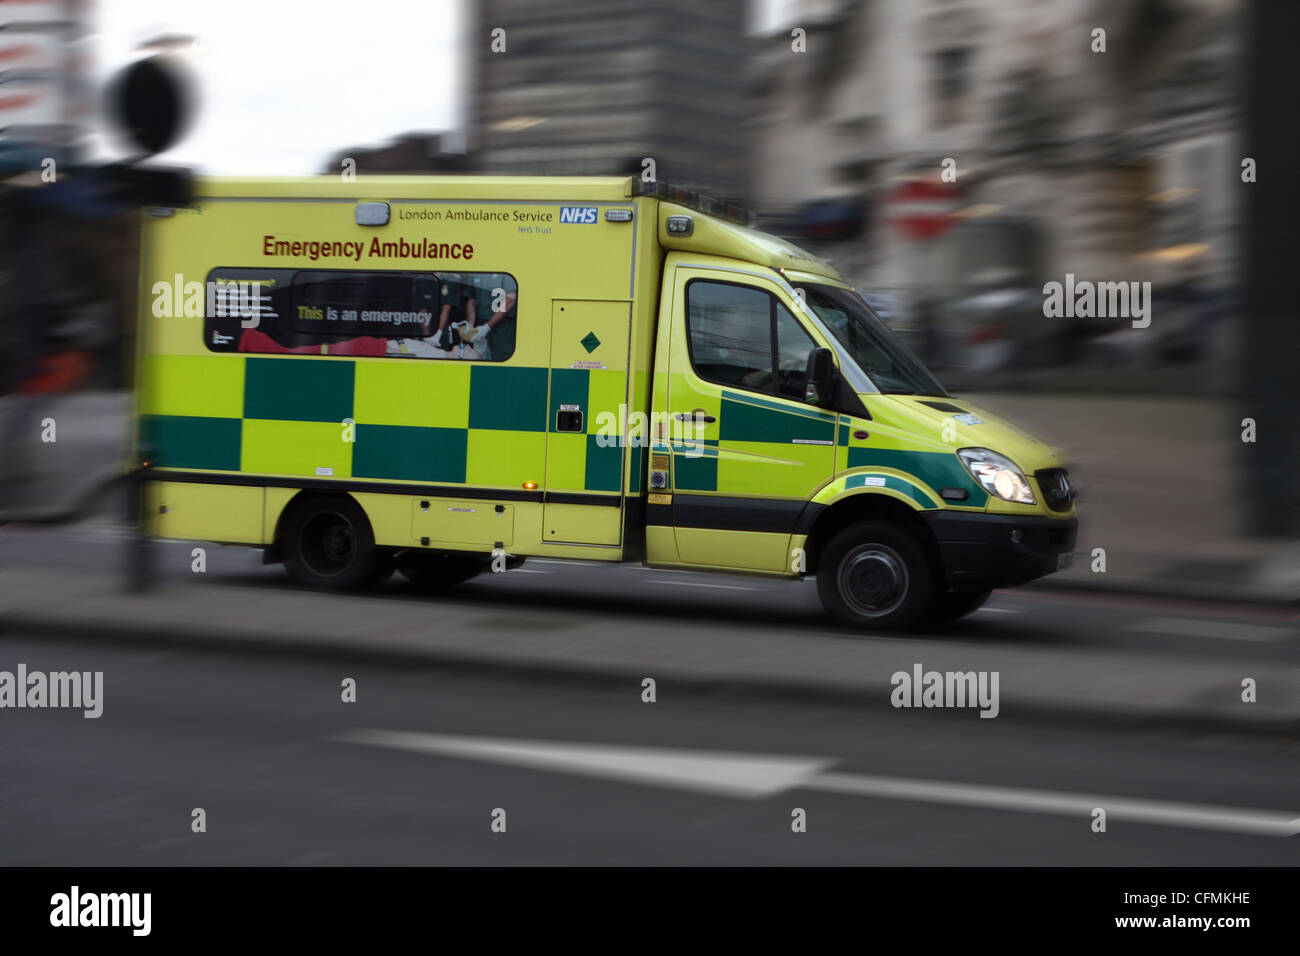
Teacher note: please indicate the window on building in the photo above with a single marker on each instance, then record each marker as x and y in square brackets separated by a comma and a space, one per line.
[952, 82]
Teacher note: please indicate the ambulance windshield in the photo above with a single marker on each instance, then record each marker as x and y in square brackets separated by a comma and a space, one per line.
[890, 365]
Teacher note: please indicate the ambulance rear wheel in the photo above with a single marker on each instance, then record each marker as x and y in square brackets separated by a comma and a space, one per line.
[439, 570]
[875, 575]
[328, 543]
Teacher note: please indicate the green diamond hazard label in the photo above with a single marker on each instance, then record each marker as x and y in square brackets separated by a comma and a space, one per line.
[590, 342]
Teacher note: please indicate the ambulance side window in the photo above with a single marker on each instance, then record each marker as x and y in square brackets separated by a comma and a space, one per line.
[729, 331]
[745, 337]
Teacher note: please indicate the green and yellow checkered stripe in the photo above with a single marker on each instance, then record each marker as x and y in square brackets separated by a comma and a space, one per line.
[752, 425]
[442, 423]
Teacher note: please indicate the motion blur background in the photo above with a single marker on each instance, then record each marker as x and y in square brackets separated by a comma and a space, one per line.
[1110, 158]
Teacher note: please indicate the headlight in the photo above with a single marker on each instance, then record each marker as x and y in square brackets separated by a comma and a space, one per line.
[998, 474]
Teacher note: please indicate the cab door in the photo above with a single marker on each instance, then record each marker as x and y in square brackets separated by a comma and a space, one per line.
[747, 450]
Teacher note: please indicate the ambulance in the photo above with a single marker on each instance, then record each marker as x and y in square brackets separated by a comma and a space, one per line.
[442, 376]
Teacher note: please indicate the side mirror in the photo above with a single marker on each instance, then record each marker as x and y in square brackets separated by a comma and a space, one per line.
[819, 387]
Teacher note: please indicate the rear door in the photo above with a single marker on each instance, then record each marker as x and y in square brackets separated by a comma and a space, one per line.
[748, 451]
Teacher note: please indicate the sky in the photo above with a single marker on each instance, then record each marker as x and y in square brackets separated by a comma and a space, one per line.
[281, 89]
[285, 84]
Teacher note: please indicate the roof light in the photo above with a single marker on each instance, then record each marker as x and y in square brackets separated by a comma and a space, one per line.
[693, 200]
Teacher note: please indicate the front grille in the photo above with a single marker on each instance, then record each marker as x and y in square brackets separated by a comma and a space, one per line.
[1054, 483]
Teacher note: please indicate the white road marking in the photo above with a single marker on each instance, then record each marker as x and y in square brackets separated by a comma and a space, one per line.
[1199, 816]
[698, 584]
[528, 571]
[754, 776]
[997, 610]
[704, 771]
[576, 564]
[1228, 630]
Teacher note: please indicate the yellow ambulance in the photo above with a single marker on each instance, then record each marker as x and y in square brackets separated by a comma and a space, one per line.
[445, 375]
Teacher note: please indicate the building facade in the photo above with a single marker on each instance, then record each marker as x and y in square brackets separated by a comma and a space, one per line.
[1108, 156]
[414, 153]
[586, 87]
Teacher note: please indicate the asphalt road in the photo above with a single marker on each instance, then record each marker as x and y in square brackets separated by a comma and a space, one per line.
[256, 744]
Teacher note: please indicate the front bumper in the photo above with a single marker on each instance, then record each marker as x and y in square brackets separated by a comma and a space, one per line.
[993, 551]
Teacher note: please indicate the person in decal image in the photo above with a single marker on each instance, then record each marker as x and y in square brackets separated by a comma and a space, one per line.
[451, 311]
[491, 331]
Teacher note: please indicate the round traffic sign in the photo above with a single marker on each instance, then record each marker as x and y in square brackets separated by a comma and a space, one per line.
[923, 208]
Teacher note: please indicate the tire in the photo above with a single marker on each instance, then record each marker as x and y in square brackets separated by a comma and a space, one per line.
[328, 544]
[956, 604]
[875, 575]
[437, 571]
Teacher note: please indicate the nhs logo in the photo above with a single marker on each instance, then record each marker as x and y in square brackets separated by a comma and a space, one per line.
[580, 214]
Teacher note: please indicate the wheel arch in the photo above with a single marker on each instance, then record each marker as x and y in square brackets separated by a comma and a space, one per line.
[274, 550]
[876, 505]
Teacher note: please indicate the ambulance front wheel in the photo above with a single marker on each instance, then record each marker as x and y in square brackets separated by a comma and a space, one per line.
[328, 543]
[876, 575]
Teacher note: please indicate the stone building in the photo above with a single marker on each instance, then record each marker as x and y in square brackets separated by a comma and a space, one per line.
[1108, 165]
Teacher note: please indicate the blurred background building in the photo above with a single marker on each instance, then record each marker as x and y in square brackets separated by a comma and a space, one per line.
[586, 87]
[46, 95]
[69, 264]
[415, 153]
[1112, 166]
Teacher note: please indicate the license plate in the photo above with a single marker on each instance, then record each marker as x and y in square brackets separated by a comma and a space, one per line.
[1063, 561]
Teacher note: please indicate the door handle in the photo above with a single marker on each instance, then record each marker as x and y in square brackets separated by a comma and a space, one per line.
[699, 415]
